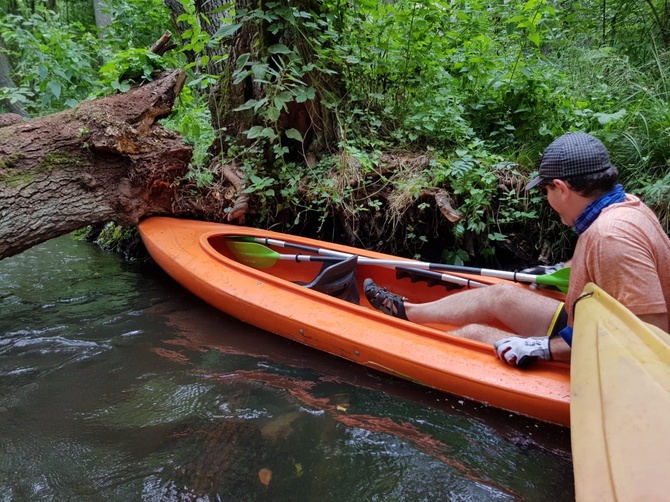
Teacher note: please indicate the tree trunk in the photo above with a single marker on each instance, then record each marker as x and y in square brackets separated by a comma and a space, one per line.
[6, 81]
[310, 118]
[250, 43]
[215, 12]
[106, 160]
[103, 13]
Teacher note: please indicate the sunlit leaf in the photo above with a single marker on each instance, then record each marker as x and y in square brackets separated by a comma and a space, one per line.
[246, 106]
[279, 49]
[242, 60]
[227, 30]
[255, 132]
[55, 89]
[273, 113]
[496, 236]
[294, 134]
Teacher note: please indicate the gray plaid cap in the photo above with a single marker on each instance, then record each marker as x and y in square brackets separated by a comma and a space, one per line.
[573, 154]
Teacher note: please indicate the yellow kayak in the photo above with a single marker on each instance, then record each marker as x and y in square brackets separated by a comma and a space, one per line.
[620, 403]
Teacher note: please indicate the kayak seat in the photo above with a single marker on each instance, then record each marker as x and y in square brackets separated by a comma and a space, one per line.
[337, 279]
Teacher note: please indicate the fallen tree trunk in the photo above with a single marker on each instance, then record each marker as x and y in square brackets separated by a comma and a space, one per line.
[105, 160]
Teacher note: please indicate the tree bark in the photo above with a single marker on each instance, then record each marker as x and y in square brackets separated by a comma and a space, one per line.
[106, 160]
[215, 13]
[103, 14]
[6, 81]
[314, 121]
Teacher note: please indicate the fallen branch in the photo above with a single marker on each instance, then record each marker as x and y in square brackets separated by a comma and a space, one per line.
[105, 160]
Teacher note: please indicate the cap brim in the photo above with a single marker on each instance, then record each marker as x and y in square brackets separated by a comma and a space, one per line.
[534, 182]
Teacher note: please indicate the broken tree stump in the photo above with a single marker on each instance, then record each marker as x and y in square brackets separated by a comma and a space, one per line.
[105, 160]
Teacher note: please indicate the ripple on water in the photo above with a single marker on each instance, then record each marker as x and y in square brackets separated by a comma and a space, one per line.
[42, 351]
[159, 401]
[95, 404]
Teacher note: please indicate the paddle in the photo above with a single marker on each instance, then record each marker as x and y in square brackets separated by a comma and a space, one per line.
[258, 256]
[558, 279]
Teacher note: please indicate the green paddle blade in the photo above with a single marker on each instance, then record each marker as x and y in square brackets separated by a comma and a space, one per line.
[559, 279]
[252, 254]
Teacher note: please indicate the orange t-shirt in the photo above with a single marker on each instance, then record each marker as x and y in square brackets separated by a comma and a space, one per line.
[625, 252]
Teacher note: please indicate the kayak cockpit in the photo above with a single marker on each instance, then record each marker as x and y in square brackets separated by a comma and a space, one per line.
[340, 277]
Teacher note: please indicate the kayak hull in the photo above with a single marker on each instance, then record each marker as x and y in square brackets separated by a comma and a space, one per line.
[195, 254]
[620, 403]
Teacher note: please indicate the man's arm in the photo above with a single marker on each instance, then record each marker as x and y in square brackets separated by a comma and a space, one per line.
[560, 350]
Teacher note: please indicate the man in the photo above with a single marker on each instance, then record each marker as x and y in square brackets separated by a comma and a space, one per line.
[621, 247]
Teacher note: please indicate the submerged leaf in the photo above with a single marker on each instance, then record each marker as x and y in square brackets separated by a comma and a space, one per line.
[265, 475]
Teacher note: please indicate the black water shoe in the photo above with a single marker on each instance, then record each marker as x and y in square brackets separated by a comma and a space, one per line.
[383, 300]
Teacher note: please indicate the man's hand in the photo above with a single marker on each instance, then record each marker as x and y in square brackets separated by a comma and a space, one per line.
[521, 352]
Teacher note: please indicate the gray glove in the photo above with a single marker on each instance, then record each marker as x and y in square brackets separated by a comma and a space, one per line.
[544, 269]
[520, 351]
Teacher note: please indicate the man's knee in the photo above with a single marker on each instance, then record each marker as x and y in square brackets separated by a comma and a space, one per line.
[510, 299]
[505, 292]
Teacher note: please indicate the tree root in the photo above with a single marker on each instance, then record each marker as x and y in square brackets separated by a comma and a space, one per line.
[241, 205]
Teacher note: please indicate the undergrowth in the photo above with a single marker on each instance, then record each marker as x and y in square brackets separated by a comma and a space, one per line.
[459, 96]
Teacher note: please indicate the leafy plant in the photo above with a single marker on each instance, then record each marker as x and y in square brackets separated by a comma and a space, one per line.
[128, 67]
[136, 23]
[54, 62]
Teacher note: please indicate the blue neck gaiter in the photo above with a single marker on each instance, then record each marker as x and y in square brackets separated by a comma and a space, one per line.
[592, 211]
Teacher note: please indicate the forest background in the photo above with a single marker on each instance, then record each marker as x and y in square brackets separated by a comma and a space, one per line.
[424, 119]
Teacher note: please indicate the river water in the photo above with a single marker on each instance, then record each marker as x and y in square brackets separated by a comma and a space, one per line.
[117, 384]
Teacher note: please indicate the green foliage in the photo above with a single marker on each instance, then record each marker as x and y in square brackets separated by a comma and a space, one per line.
[195, 37]
[53, 61]
[128, 67]
[192, 118]
[474, 81]
[136, 23]
[446, 73]
[58, 62]
[482, 86]
[73, 11]
[280, 68]
[488, 204]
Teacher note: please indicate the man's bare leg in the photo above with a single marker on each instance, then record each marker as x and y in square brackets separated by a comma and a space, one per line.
[523, 312]
[482, 333]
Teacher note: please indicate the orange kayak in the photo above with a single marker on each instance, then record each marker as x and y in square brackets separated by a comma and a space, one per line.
[275, 298]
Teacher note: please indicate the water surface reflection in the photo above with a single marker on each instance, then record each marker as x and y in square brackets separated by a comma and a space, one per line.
[116, 384]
